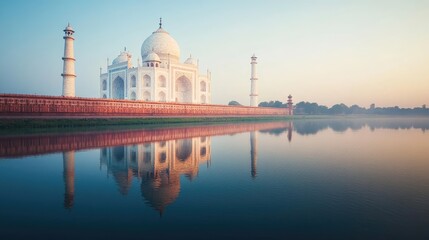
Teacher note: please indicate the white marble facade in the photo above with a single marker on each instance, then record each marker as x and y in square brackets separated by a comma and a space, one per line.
[161, 77]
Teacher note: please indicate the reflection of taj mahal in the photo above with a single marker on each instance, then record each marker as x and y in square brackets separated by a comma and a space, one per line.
[158, 165]
[161, 77]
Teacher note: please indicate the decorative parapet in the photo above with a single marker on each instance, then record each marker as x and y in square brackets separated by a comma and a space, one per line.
[35, 105]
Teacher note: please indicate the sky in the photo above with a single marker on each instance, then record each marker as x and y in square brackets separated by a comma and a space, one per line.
[325, 51]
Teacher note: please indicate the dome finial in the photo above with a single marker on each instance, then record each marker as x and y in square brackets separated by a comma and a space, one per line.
[160, 22]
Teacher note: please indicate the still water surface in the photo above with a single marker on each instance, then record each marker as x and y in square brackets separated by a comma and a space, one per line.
[307, 179]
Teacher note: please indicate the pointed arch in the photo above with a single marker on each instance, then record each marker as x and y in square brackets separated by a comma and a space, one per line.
[162, 82]
[146, 96]
[133, 81]
[161, 97]
[146, 80]
[203, 86]
[118, 88]
[203, 99]
[183, 90]
[104, 85]
[133, 96]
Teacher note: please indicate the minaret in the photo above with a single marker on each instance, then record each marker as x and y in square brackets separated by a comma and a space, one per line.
[68, 74]
[290, 104]
[68, 174]
[253, 152]
[253, 88]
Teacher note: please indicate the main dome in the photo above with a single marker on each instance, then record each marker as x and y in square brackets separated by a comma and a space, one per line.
[162, 44]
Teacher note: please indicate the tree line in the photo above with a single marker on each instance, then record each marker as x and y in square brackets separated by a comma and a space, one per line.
[311, 108]
[342, 109]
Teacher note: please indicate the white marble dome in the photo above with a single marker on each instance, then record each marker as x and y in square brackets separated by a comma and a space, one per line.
[123, 57]
[162, 44]
[152, 57]
[69, 28]
[191, 61]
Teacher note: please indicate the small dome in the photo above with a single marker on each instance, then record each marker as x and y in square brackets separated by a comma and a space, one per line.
[191, 61]
[123, 57]
[69, 28]
[162, 44]
[152, 57]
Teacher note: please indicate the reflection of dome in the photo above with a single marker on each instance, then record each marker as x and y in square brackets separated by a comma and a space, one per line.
[123, 57]
[162, 44]
[124, 179]
[161, 192]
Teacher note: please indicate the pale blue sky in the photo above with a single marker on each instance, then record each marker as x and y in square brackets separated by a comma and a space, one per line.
[355, 52]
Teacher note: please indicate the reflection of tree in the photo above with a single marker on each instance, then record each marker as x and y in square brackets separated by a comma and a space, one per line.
[307, 127]
[339, 126]
[276, 131]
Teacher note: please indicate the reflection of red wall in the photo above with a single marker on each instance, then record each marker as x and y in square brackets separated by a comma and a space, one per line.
[31, 105]
[32, 145]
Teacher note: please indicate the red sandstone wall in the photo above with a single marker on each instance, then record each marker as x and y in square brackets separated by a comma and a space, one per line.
[32, 105]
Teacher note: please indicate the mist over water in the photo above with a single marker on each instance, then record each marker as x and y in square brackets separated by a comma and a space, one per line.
[306, 179]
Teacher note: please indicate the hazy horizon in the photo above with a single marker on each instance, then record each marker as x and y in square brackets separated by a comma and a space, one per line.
[329, 52]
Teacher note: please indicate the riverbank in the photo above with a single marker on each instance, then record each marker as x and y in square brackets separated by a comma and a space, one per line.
[17, 125]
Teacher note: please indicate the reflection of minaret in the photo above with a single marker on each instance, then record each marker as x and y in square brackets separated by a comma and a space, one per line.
[68, 165]
[253, 152]
[289, 131]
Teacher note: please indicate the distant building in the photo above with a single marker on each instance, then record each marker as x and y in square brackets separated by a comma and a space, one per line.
[161, 76]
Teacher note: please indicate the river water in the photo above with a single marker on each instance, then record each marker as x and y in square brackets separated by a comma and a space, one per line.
[306, 179]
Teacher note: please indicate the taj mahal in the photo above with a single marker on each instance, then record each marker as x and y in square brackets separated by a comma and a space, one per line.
[161, 76]
[161, 85]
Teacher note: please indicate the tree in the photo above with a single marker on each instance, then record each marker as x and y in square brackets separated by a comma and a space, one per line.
[234, 103]
[339, 109]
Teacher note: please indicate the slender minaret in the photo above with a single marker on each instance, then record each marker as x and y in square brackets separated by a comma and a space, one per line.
[68, 174]
[68, 74]
[253, 88]
[253, 152]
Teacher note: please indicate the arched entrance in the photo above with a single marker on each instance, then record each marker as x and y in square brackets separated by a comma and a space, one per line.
[161, 97]
[162, 82]
[183, 90]
[146, 96]
[118, 88]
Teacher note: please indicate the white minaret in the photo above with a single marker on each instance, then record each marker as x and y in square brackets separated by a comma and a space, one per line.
[68, 74]
[253, 88]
